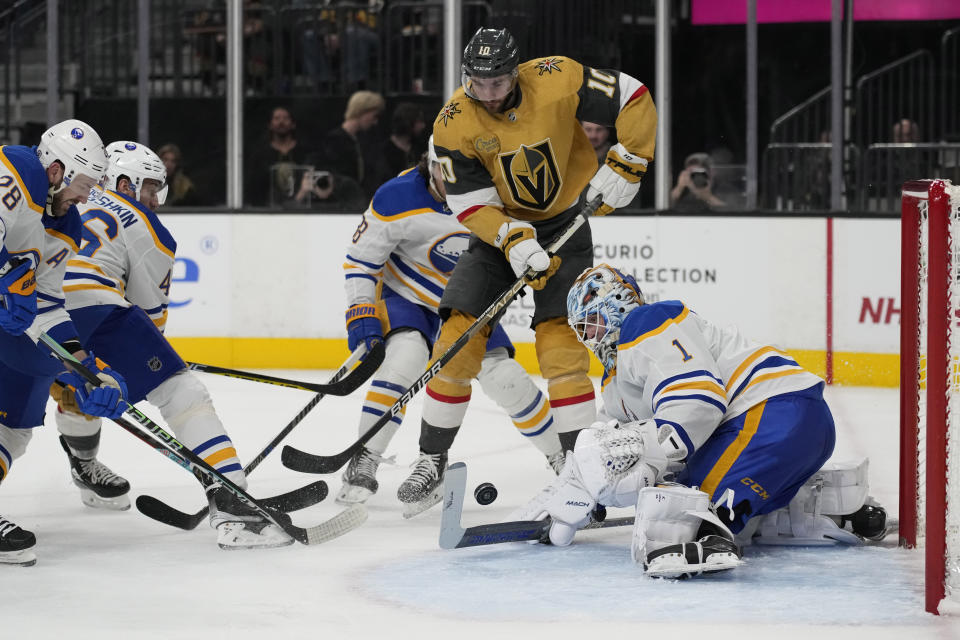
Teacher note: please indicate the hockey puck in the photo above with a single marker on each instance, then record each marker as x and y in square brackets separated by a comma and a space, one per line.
[485, 493]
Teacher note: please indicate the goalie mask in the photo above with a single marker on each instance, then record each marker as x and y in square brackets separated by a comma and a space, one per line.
[136, 163]
[599, 300]
[76, 146]
[489, 54]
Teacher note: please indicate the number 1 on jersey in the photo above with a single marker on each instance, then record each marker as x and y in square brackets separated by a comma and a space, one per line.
[683, 352]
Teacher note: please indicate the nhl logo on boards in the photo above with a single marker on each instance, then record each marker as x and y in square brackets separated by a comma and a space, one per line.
[155, 364]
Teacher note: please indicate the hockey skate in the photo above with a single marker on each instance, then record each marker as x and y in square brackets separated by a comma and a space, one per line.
[360, 478]
[239, 526]
[16, 544]
[424, 487]
[557, 460]
[100, 487]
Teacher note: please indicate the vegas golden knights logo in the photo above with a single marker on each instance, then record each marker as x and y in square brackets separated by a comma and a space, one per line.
[531, 173]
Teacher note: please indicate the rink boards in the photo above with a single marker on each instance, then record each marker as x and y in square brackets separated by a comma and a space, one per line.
[267, 290]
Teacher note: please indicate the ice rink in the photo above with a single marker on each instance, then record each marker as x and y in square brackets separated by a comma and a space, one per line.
[121, 575]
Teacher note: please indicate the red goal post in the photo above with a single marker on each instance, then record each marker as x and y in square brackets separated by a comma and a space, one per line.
[930, 385]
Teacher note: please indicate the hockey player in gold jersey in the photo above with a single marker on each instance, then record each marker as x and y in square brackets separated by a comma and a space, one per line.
[515, 161]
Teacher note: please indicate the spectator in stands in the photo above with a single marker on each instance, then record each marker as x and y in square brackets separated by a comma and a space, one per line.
[181, 190]
[906, 130]
[403, 148]
[693, 191]
[271, 162]
[325, 191]
[599, 137]
[341, 152]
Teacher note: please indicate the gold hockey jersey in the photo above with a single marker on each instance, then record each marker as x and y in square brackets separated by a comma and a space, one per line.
[532, 161]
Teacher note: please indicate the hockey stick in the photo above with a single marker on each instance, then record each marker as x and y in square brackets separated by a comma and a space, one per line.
[162, 512]
[454, 536]
[341, 387]
[309, 463]
[338, 525]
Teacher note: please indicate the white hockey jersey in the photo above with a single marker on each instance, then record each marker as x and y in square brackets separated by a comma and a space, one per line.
[126, 257]
[406, 239]
[681, 370]
[26, 232]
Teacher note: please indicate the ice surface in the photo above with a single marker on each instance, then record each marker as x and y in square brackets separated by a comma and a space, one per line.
[121, 575]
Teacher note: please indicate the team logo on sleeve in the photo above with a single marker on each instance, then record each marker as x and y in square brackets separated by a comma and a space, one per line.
[449, 110]
[549, 65]
[531, 174]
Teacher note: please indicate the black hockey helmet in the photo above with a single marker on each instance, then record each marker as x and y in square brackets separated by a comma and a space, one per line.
[490, 53]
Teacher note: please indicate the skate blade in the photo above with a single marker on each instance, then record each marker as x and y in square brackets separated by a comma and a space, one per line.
[92, 500]
[23, 558]
[411, 509]
[350, 494]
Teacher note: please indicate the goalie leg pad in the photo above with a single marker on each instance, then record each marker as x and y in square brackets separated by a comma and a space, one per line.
[817, 515]
[676, 535]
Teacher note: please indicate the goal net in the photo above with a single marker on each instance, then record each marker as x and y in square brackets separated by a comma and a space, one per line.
[930, 385]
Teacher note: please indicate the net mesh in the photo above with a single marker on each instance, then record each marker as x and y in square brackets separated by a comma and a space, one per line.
[951, 307]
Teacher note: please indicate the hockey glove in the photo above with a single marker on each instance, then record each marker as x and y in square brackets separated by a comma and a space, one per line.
[363, 326]
[107, 400]
[18, 291]
[518, 241]
[618, 180]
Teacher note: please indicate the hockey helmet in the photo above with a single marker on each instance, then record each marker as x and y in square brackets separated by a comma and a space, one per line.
[599, 300]
[135, 162]
[490, 53]
[78, 147]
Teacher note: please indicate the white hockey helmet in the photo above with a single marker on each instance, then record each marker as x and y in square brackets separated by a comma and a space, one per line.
[137, 163]
[77, 146]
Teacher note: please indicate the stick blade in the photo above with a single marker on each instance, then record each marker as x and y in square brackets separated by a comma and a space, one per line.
[347, 520]
[162, 512]
[454, 488]
[297, 460]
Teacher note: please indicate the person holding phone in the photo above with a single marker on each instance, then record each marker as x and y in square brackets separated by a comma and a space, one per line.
[327, 191]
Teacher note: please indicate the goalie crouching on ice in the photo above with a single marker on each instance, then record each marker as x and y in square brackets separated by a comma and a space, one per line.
[719, 441]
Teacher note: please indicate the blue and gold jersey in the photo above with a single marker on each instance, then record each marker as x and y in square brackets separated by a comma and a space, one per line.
[676, 367]
[27, 232]
[126, 257]
[408, 240]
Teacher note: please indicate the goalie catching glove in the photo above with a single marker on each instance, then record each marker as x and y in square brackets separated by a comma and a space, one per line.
[618, 180]
[18, 291]
[107, 400]
[518, 241]
[609, 465]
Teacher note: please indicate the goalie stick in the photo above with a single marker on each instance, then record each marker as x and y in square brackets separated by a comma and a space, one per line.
[344, 521]
[343, 387]
[162, 512]
[298, 460]
[454, 536]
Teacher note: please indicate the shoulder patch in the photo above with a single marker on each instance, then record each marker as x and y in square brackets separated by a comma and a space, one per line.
[649, 320]
[449, 111]
[548, 65]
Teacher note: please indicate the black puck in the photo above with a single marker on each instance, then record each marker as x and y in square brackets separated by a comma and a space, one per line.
[485, 493]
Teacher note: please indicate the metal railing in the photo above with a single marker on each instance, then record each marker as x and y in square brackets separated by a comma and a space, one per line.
[903, 89]
[796, 176]
[17, 28]
[809, 121]
[887, 166]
